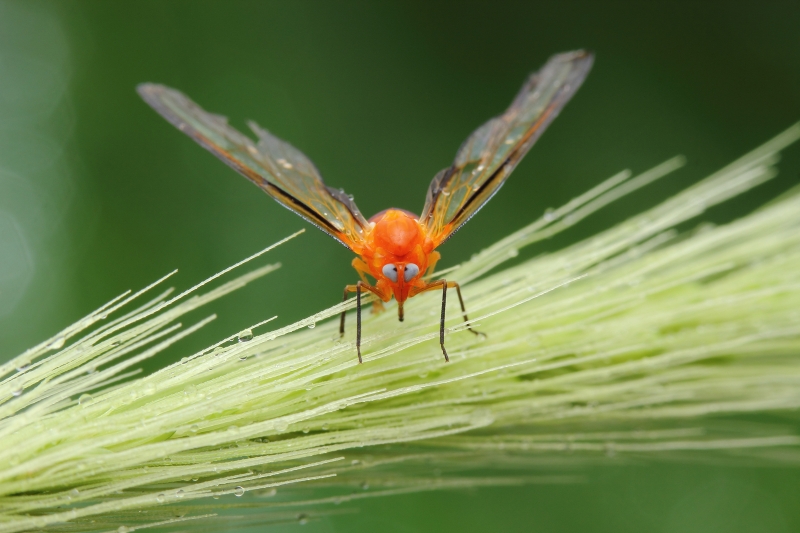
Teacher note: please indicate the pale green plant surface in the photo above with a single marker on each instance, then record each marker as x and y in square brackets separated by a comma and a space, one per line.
[640, 342]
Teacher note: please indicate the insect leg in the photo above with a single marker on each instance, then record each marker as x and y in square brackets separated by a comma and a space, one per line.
[463, 309]
[445, 284]
[357, 288]
[441, 322]
[363, 269]
[358, 321]
[429, 287]
[344, 313]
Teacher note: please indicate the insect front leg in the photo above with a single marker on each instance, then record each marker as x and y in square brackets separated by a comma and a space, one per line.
[363, 269]
[444, 284]
[358, 288]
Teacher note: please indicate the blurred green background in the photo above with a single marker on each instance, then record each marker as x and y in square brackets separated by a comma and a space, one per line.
[98, 194]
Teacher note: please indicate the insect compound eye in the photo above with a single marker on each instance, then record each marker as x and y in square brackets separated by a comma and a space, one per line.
[410, 272]
[390, 271]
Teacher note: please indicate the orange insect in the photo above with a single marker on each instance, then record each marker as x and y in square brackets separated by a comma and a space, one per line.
[397, 248]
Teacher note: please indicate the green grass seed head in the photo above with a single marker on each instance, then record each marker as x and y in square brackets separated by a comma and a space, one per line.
[640, 341]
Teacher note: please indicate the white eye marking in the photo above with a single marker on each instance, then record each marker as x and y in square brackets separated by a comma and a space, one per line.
[390, 271]
[410, 272]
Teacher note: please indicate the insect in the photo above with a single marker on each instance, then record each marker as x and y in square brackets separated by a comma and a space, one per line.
[395, 247]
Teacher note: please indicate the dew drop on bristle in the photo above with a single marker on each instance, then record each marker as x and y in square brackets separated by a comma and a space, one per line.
[238, 491]
[179, 493]
[302, 519]
[22, 366]
[85, 400]
[549, 214]
[245, 335]
[57, 343]
[161, 497]
[17, 392]
[312, 325]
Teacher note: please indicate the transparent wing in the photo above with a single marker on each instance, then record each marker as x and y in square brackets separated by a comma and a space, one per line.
[488, 156]
[276, 166]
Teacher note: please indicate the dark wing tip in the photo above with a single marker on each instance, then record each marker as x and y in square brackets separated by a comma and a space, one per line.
[147, 90]
[584, 58]
[164, 100]
[156, 94]
[574, 55]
